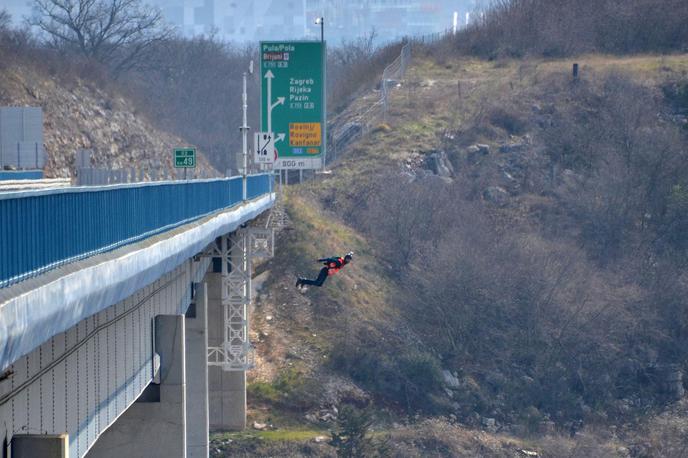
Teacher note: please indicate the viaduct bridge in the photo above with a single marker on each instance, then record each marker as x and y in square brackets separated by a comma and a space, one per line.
[124, 315]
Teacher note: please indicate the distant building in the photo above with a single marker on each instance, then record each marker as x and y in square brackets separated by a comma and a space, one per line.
[390, 19]
[245, 20]
[254, 20]
[236, 20]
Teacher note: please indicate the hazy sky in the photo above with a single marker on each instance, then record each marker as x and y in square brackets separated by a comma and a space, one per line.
[254, 20]
[17, 8]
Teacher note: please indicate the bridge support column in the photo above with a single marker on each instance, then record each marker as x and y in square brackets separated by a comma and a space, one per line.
[155, 425]
[40, 446]
[227, 389]
[197, 430]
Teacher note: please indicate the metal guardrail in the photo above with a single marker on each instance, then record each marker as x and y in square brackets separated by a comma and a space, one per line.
[42, 230]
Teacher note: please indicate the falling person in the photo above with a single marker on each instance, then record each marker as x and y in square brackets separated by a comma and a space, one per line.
[332, 266]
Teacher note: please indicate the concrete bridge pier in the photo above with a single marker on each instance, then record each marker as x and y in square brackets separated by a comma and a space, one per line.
[197, 420]
[155, 425]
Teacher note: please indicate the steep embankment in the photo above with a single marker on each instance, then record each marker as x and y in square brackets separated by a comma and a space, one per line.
[508, 146]
[79, 113]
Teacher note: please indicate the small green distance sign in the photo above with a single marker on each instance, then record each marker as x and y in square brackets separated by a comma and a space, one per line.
[185, 158]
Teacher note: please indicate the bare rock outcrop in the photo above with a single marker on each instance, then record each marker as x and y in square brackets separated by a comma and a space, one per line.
[80, 115]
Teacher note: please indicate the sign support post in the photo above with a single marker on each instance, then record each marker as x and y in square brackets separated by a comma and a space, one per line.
[324, 96]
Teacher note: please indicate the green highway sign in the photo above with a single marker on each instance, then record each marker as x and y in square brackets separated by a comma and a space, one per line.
[185, 158]
[293, 101]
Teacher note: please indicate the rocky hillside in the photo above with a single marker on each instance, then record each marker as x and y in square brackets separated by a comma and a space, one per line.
[79, 113]
[514, 322]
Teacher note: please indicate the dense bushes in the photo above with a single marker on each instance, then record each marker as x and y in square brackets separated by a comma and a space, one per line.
[565, 321]
[635, 164]
[408, 376]
[564, 27]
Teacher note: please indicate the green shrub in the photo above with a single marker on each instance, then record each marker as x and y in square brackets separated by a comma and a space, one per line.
[263, 391]
[350, 436]
[292, 389]
[410, 377]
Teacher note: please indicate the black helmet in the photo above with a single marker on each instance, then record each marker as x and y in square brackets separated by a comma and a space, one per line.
[349, 256]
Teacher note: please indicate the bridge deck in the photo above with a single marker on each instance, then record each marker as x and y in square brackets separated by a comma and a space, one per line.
[80, 283]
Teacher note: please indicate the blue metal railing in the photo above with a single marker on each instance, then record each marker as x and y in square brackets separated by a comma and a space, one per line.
[21, 175]
[41, 230]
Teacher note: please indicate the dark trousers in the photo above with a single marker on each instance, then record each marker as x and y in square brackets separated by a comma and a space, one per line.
[322, 276]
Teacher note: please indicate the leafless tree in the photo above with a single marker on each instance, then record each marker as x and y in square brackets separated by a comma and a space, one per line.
[192, 87]
[116, 33]
[4, 19]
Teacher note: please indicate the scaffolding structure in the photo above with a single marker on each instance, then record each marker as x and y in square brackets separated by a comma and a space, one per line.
[236, 252]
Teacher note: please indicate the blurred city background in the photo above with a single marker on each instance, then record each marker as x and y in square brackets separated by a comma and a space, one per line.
[253, 20]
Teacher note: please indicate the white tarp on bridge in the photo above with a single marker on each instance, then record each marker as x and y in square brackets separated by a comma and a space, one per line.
[32, 317]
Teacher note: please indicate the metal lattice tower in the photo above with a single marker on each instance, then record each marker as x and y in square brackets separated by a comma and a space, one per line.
[236, 252]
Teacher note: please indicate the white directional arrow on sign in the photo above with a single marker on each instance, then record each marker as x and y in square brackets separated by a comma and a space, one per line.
[280, 101]
[270, 76]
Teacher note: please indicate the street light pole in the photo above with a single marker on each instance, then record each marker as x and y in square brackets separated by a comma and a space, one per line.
[244, 134]
[321, 21]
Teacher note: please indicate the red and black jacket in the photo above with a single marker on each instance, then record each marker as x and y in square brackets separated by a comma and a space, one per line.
[334, 265]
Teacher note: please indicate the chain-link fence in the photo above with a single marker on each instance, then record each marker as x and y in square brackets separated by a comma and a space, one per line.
[393, 73]
[346, 132]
